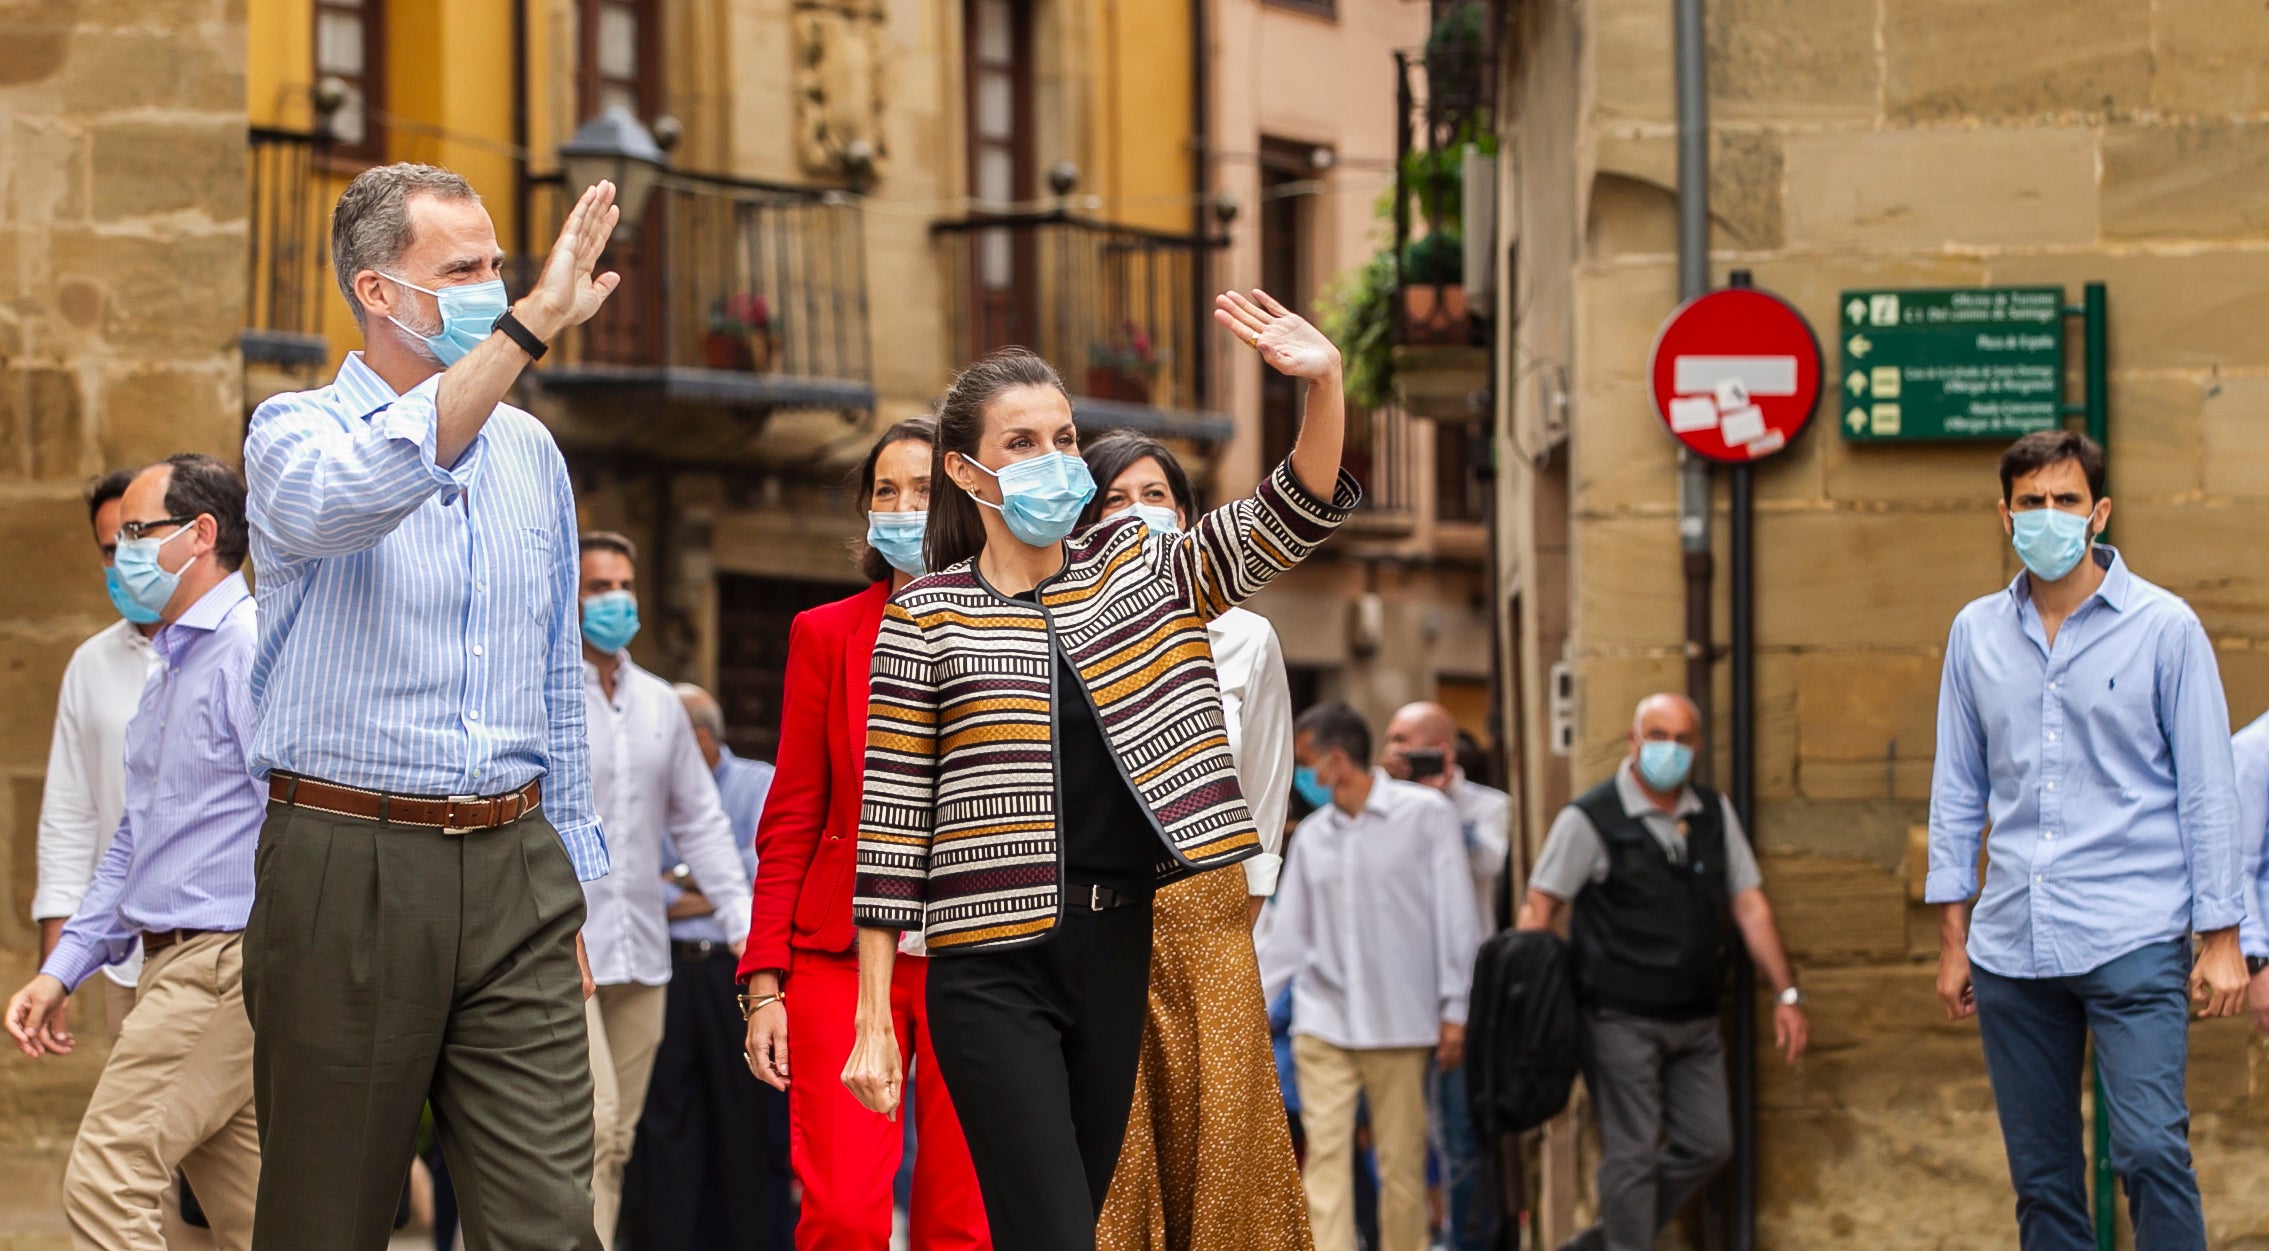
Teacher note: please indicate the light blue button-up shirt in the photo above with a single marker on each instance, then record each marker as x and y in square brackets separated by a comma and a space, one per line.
[2102, 766]
[741, 788]
[418, 623]
[2250, 750]
[182, 857]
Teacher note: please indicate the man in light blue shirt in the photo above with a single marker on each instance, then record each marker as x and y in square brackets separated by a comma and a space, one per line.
[176, 881]
[420, 684]
[2081, 719]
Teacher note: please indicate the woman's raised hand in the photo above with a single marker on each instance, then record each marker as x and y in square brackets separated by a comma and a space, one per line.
[1282, 337]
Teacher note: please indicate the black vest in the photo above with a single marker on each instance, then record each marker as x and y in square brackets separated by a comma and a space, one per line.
[1651, 939]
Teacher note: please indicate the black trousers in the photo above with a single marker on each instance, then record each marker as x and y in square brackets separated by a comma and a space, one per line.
[709, 1168]
[1038, 1046]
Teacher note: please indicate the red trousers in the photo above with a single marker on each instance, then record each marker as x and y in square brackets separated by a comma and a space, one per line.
[846, 1156]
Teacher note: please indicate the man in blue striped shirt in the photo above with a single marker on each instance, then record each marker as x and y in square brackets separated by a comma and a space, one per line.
[2081, 720]
[420, 689]
[176, 882]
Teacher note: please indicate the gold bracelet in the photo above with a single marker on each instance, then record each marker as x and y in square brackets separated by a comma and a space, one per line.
[751, 1005]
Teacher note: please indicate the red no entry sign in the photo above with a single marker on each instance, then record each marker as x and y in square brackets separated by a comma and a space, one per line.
[1735, 374]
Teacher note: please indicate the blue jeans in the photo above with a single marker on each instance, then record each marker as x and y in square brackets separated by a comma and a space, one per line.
[2036, 1032]
[1452, 1141]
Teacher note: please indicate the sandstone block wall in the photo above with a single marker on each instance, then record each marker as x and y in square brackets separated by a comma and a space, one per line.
[1886, 143]
[122, 287]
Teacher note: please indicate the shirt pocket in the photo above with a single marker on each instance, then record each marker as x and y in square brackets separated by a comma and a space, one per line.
[537, 554]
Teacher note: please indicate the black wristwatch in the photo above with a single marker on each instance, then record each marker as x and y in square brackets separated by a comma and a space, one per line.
[2254, 964]
[520, 334]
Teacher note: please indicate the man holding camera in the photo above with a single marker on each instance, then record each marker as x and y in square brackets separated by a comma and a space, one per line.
[1422, 748]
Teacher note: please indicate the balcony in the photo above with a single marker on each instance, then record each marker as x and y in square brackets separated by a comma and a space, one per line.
[1124, 313]
[735, 295]
[290, 278]
[1444, 254]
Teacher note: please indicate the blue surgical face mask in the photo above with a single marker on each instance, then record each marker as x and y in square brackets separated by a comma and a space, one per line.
[898, 536]
[1664, 765]
[2049, 541]
[610, 620]
[468, 317]
[1043, 496]
[146, 583]
[1312, 792]
[1160, 520]
[123, 602]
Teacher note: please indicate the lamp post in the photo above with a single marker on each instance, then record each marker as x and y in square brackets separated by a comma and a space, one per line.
[614, 146]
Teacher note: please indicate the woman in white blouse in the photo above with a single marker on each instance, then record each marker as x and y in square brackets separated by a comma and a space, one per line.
[1208, 1157]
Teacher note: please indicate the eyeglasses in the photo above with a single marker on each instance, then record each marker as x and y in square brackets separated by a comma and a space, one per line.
[141, 529]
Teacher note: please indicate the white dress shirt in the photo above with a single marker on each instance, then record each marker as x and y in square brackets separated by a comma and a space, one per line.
[648, 779]
[1484, 813]
[85, 793]
[1375, 920]
[1256, 704]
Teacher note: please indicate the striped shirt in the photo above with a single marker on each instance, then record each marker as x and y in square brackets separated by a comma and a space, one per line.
[418, 630]
[959, 831]
[182, 855]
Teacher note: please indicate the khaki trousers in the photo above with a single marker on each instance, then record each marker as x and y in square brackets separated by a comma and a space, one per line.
[1395, 1080]
[626, 1032]
[176, 1093]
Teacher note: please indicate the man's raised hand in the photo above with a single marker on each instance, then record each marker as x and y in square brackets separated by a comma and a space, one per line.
[567, 293]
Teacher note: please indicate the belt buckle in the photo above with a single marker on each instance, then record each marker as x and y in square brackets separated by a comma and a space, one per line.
[1095, 899]
[449, 810]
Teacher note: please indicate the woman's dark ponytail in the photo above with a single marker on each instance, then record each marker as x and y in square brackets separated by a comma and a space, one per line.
[957, 530]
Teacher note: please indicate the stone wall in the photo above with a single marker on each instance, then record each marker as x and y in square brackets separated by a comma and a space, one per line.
[1894, 143]
[122, 264]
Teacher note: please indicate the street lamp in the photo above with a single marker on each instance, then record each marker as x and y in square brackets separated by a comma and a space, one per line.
[615, 146]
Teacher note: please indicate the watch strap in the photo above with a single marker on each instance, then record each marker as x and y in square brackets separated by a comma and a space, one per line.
[513, 329]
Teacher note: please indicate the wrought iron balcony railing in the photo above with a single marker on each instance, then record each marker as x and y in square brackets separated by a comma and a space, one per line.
[734, 293]
[1124, 313]
[290, 280]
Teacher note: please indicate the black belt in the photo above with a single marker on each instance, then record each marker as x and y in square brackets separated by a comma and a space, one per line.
[1098, 898]
[699, 949]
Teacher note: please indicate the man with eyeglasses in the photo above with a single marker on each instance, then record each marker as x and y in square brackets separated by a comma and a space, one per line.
[85, 788]
[175, 883]
[422, 739]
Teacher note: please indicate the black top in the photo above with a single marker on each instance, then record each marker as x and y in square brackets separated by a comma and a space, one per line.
[1108, 836]
[1651, 940]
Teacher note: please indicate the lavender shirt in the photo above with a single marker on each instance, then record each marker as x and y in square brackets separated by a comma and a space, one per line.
[182, 857]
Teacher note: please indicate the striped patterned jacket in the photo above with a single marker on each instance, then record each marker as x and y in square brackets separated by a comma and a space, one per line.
[958, 830]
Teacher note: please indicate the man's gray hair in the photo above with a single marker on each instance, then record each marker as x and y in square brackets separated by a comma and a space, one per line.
[702, 707]
[370, 228]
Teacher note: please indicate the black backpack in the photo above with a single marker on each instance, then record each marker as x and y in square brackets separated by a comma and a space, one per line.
[1524, 1034]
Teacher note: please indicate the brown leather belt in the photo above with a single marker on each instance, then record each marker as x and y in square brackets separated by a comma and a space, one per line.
[453, 814]
[155, 941]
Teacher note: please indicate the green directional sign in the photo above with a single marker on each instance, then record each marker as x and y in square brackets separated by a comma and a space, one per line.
[1982, 363]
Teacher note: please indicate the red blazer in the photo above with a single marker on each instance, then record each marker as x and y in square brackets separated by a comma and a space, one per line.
[807, 842]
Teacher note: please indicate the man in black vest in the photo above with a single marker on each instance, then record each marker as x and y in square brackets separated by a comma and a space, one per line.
[1661, 877]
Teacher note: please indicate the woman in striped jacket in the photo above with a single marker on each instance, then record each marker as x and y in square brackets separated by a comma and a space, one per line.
[1044, 750]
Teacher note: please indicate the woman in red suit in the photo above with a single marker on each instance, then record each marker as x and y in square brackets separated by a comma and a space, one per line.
[801, 974]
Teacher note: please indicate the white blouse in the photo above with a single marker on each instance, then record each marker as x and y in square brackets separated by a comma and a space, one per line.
[1256, 702]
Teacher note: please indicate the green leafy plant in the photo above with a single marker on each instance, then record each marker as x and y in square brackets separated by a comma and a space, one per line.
[1359, 313]
[1128, 352]
[1436, 259]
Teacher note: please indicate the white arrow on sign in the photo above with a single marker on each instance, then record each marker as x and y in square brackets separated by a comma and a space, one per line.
[1859, 346]
[1857, 420]
[1856, 310]
[1858, 383]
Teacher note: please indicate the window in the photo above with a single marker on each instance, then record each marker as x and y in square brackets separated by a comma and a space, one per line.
[1288, 183]
[347, 50]
[998, 39]
[621, 47]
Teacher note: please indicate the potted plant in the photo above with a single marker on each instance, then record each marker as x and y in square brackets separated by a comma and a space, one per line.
[1433, 288]
[741, 333]
[1123, 366]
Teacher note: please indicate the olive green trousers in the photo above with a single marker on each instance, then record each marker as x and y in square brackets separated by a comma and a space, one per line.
[390, 965]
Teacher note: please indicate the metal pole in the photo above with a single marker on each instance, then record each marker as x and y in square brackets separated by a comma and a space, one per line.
[1693, 281]
[1741, 533]
[2096, 408]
